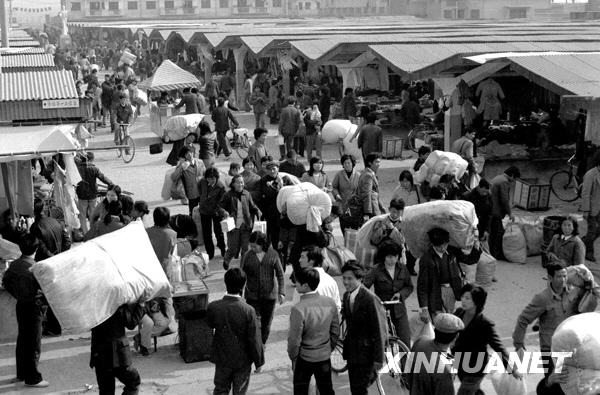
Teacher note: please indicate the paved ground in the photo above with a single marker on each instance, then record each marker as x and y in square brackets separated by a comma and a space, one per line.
[64, 360]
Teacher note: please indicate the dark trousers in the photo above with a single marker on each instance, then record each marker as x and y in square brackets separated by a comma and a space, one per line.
[593, 232]
[273, 229]
[237, 242]
[495, 241]
[29, 341]
[228, 379]
[299, 144]
[304, 370]
[193, 203]
[400, 321]
[264, 313]
[289, 143]
[223, 143]
[208, 222]
[361, 377]
[410, 261]
[127, 375]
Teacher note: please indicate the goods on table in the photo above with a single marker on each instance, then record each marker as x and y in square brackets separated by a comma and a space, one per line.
[533, 230]
[486, 267]
[179, 126]
[335, 130]
[457, 217]
[439, 163]
[194, 266]
[304, 204]
[514, 244]
[87, 284]
[495, 150]
[579, 334]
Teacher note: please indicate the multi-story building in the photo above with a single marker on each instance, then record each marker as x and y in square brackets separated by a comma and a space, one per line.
[131, 9]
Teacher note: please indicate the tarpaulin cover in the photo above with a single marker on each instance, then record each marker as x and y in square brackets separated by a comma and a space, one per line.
[87, 284]
[304, 204]
[167, 77]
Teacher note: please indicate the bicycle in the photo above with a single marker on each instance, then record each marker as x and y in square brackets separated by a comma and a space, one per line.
[338, 363]
[240, 142]
[396, 352]
[125, 144]
[565, 184]
[423, 132]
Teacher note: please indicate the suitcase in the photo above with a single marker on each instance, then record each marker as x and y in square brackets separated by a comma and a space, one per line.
[392, 147]
[195, 337]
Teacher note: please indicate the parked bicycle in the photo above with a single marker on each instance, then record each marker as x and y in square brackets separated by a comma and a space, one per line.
[422, 132]
[565, 184]
[125, 144]
[240, 142]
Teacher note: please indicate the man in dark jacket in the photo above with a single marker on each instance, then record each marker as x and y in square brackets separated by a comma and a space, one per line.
[270, 185]
[500, 189]
[87, 189]
[370, 138]
[221, 116]
[291, 165]
[22, 285]
[366, 332]
[53, 236]
[211, 193]
[289, 123]
[111, 355]
[106, 98]
[121, 113]
[481, 199]
[190, 101]
[324, 105]
[236, 343]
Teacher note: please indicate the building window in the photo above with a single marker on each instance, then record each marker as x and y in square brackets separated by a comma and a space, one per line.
[188, 4]
[94, 6]
[517, 13]
[277, 3]
[461, 14]
[242, 3]
[132, 5]
[151, 5]
[300, 6]
[223, 3]
[113, 5]
[76, 6]
[307, 5]
[169, 4]
[205, 4]
[448, 14]
[259, 3]
[475, 14]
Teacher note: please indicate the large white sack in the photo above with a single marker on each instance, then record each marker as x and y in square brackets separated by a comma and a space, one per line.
[457, 217]
[514, 244]
[289, 178]
[87, 284]
[364, 232]
[351, 148]
[179, 126]
[304, 204]
[579, 334]
[439, 163]
[335, 130]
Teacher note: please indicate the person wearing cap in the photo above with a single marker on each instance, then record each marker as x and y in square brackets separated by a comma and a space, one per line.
[440, 277]
[270, 184]
[436, 351]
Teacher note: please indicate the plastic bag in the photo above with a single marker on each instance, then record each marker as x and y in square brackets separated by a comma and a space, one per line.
[514, 245]
[579, 334]
[486, 268]
[167, 185]
[420, 329]
[179, 126]
[506, 384]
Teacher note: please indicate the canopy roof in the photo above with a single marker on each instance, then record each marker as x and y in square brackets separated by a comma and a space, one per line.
[168, 77]
[27, 142]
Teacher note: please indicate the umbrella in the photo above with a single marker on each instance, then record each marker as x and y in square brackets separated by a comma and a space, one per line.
[169, 76]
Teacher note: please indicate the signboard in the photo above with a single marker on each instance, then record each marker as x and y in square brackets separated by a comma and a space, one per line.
[61, 103]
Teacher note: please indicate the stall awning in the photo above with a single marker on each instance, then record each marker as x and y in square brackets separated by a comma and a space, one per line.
[169, 77]
[27, 142]
[37, 85]
[27, 61]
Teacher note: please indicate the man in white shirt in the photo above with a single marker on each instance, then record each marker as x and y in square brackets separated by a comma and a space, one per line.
[312, 258]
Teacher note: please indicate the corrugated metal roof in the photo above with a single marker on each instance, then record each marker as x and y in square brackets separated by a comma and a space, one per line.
[27, 61]
[23, 43]
[37, 85]
[578, 74]
[22, 50]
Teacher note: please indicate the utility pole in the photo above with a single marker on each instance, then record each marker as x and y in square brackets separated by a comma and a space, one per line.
[4, 24]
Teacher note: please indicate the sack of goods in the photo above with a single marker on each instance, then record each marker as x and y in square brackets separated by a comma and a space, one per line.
[289, 179]
[583, 289]
[486, 268]
[579, 334]
[336, 130]
[514, 244]
[457, 217]
[179, 126]
[142, 98]
[533, 230]
[304, 204]
[86, 285]
[439, 163]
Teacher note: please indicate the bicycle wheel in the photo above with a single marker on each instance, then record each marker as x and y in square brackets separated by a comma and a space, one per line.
[242, 146]
[564, 186]
[418, 132]
[129, 151]
[338, 363]
[398, 352]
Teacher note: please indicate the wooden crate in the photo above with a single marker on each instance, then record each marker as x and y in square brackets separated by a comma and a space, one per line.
[392, 147]
[530, 194]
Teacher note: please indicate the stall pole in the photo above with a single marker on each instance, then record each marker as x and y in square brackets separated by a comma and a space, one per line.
[240, 56]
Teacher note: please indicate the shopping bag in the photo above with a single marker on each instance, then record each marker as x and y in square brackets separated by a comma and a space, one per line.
[227, 225]
[420, 329]
[260, 226]
[506, 384]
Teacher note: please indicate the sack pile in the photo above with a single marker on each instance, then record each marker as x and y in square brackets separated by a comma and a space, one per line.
[533, 230]
[457, 217]
[514, 244]
[486, 268]
[179, 126]
[87, 284]
[335, 130]
[439, 163]
[579, 334]
[304, 204]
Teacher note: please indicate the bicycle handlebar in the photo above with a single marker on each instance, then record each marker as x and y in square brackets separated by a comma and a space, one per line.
[390, 302]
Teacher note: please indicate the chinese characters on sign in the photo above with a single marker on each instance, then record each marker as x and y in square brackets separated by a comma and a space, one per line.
[62, 103]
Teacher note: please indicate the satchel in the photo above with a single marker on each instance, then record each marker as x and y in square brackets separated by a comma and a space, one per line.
[156, 148]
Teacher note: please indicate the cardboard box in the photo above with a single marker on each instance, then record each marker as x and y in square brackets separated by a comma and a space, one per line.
[392, 147]
[531, 194]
